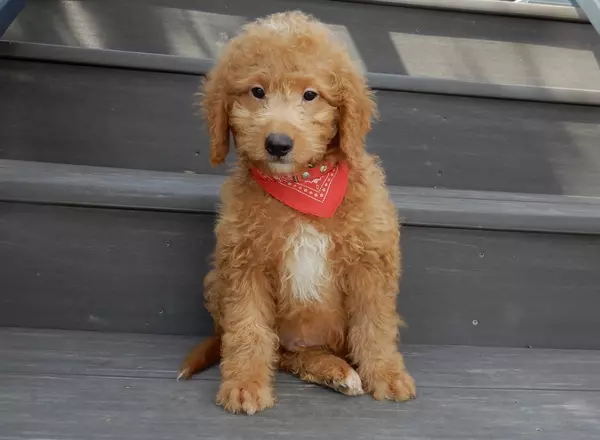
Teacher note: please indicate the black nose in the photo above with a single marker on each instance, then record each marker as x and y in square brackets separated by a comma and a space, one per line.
[278, 144]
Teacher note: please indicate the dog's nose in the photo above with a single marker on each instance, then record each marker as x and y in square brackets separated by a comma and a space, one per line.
[278, 144]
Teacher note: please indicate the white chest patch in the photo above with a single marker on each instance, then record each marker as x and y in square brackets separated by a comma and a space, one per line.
[306, 268]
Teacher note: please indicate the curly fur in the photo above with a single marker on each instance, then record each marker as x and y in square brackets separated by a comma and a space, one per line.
[264, 318]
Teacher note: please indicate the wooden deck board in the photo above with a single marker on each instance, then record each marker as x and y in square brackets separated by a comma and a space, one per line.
[72, 385]
[65, 353]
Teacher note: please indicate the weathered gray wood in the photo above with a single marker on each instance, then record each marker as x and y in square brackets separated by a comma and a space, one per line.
[461, 46]
[480, 144]
[121, 386]
[453, 87]
[499, 7]
[119, 270]
[77, 185]
[377, 81]
[153, 62]
[145, 120]
[76, 353]
[115, 408]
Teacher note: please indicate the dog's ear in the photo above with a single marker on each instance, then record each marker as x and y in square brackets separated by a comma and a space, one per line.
[356, 111]
[216, 112]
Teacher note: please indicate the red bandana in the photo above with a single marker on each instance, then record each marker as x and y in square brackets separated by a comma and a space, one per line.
[318, 190]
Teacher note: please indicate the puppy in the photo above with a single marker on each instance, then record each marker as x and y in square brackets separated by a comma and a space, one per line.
[307, 262]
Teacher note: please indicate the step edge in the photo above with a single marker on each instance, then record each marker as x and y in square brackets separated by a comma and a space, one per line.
[507, 9]
[100, 187]
[164, 63]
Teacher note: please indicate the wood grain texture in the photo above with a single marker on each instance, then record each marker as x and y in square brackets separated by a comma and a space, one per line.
[37, 401]
[98, 354]
[97, 408]
[145, 120]
[138, 271]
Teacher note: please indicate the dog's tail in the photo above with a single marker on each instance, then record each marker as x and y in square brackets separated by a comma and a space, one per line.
[202, 356]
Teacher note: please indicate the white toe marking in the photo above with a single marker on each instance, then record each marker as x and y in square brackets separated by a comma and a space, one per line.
[354, 384]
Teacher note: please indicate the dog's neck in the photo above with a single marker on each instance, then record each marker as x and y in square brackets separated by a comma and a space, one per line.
[309, 172]
[318, 189]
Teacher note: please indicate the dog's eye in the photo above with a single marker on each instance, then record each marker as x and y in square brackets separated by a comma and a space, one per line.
[309, 95]
[258, 92]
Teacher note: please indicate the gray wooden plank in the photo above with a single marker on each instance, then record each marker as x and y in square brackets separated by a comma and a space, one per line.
[153, 62]
[77, 185]
[111, 117]
[544, 9]
[117, 408]
[480, 144]
[124, 125]
[377, 81]
[425, 83]
[464, 46]
[120, 270]
[76, 353]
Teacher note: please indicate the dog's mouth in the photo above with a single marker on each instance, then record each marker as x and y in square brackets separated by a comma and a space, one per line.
[287, 159]
[278, 165]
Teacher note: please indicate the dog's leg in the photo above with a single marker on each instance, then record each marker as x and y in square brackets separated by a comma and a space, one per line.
[248, 342]
[373, 332]
[318, 366]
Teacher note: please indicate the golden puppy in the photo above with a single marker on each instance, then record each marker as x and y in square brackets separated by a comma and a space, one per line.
[307, 260]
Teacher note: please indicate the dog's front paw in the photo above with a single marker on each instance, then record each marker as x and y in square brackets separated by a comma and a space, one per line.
[391, 384]
[245, 397]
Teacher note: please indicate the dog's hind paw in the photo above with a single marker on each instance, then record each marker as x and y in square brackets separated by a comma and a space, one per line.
[350, 384]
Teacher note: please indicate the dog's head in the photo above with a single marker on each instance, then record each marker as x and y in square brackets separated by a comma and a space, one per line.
[289, 93]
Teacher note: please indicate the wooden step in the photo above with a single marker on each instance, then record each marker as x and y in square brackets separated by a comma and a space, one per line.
[469, 40]
[507, 100]
[126, 250]
[119, 386]
[188, 192]
[146, 120]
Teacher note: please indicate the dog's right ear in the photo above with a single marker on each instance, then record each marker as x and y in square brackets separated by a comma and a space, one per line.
[216, 112]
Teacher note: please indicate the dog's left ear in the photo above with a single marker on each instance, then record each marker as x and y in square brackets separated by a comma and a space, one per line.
[356, 111]
[216, 113]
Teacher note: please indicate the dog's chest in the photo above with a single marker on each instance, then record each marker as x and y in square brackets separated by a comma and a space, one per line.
[306, 269]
